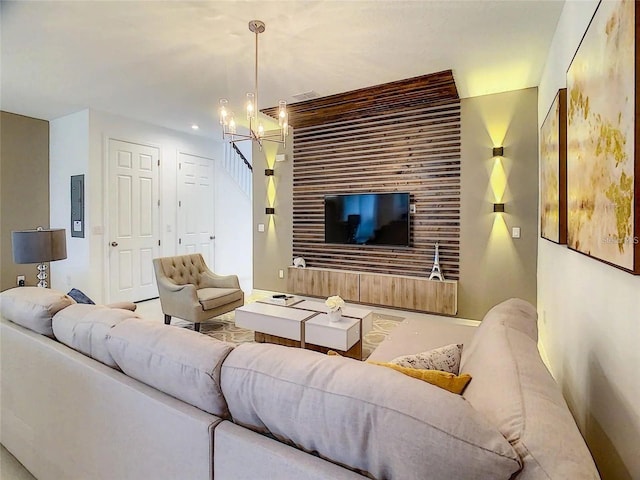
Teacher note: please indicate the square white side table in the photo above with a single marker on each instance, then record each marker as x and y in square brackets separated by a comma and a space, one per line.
[363, 314]
[340, 335]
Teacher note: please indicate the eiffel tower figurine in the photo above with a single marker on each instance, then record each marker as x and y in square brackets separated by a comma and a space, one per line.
[435, 271]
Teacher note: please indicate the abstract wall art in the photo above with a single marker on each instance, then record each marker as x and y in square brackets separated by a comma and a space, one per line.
[602, 171]
[553, 171]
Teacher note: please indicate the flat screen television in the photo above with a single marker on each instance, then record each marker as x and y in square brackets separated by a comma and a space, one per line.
[367, 219]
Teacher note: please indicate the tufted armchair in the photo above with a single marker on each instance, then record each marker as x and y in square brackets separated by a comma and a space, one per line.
[189, 290]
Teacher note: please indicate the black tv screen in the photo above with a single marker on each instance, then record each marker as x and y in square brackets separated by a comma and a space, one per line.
[367, 219]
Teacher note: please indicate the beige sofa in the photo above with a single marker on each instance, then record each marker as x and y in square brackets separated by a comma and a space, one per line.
[91, 392]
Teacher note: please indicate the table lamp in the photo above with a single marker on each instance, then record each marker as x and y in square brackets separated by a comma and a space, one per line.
[39, 246]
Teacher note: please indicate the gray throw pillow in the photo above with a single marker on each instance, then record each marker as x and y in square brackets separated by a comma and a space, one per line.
[446, 359]
[80, 297]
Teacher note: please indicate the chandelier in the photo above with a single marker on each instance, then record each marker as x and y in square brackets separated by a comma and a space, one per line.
[256, 129]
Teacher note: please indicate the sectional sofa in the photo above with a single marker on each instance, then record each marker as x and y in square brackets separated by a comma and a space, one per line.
[90, 392]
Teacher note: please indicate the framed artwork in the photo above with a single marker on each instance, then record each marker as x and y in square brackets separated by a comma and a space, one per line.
[602, 170]
[553, 171]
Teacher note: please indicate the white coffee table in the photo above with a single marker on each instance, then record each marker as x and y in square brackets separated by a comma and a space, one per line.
[305, 324]
[274, 323]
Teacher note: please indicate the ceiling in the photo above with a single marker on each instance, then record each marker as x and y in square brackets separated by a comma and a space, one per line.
[169, 62]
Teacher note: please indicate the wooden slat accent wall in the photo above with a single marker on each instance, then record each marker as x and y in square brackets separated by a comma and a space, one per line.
[394, 97]
[416, 151]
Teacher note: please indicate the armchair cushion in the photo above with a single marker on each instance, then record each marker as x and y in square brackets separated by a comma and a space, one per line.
[211, 298]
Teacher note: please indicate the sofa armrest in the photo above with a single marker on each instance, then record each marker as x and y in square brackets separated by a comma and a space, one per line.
[208, 279]
[123, 305]
[178, 300]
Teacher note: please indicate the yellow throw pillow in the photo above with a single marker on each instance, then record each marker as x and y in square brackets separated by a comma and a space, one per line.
[448, 381]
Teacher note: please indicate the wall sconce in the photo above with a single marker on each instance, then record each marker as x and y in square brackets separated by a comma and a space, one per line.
[498, 208]
[498, 151]
[268, 172]
[270, 211]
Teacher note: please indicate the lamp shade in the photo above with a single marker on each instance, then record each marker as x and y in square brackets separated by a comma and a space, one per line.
[39, 246]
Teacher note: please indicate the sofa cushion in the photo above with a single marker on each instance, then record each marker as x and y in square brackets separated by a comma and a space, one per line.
[33, 307]
[513, 389]
[446, 359]
[84, 327]
[367, 418]
[179, 362]
[211, 298]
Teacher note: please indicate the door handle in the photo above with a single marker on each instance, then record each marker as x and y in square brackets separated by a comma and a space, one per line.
[212, 237]
[114, 244]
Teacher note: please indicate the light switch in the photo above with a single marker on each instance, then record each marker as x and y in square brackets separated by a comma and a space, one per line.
[261, 227]
[515, 232]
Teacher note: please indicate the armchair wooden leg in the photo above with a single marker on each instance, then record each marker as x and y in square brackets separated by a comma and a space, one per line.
[167, 319]
[196, 327]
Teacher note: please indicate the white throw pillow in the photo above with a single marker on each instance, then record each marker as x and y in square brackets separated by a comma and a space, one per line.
[33, 307]
[446, 359]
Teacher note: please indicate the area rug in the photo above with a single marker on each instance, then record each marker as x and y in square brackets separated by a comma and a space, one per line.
[224, 328]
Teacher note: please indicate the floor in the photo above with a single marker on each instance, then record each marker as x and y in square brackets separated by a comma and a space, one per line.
[11, 469]
[151, 309]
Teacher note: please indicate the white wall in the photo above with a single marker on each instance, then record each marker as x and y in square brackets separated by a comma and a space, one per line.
[98, 128]
[69, 155]
[234, 252]
[590, 312]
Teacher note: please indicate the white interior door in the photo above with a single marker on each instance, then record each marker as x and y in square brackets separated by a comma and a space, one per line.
[195, 206]
[133, 220]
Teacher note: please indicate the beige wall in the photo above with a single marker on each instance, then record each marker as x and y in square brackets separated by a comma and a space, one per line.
[24, 188]
[272, 249]
[493, 265]
[590, 312]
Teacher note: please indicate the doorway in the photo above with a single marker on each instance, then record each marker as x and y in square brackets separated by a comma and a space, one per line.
[133, 220]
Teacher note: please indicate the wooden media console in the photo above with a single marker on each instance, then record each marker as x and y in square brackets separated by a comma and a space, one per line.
[397, 291]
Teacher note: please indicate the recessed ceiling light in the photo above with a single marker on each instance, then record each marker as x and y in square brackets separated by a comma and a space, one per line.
[195, 127]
